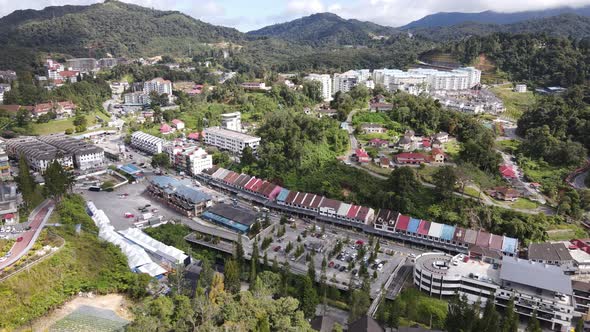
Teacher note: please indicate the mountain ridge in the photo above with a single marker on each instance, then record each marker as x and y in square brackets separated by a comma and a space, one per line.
[445, 19]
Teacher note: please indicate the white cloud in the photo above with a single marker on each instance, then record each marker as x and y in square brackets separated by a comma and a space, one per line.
[304, 7]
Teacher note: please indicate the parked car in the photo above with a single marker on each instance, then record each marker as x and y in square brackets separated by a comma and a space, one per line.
[342, 268]
[277, 248]
[331, 264]
[19, 239]
[129, 215]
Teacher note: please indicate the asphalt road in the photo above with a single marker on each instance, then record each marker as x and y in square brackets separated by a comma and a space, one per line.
[36, 221]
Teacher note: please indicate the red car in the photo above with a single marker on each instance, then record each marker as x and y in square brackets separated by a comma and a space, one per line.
[331, 264]
[277, 248]
[129, 215]
[20, 238]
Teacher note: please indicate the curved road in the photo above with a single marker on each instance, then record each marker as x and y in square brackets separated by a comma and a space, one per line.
[37, 220]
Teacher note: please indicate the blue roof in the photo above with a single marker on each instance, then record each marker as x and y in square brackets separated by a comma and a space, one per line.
[282, 196]
[225, 222]
[447, 232]
[130, 169]
[509, 245]
[413, 226]
[172, 186]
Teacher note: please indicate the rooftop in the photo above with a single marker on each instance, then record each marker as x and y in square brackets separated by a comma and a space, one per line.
[230, 133]
[234, 213]
[549, 252]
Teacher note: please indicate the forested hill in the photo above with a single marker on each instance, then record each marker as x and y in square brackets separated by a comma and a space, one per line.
[565, 25]
[490, 17]
[326, 28]
[111, 27]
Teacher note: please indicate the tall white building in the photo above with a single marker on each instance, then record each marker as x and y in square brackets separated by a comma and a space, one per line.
[158, 85]
[146, 142]
[137, 98]
[230, 140]
[346, 81]
[325, 84]
[232, 121]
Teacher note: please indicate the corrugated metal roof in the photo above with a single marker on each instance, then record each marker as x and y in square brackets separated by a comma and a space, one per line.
[538, 275]
[435, 229]
[283, 195]
[402, 223]
[316, 202]
[291, 197]
[413, 225]
[330, 203]
[424, 227]
[459, 235]
[447, 232]
[470, 236]
[509, 245]
[483, 239]
[308, 199]
[300, 198]
[342, 210]
[496, 242]
[353, 211]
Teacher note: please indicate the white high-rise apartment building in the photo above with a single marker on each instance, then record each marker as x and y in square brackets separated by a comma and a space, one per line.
[199, 160]
[146, 142]
[158, 85]
[325, 83]
[346, 81]
[230, 140]
[232, 121]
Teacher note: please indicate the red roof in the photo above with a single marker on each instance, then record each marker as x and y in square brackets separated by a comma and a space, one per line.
[426, 143]
[353, 211]
[291, 197]
[361, 153]
[410, 157]
[176, 121]
[300, 198]
[378, 141]
[483, 239]
[436, 151]
[424, 227]
[507, 171]
[8, 216]
[193, 136]
[402, 222]
[165, 128]
[68, 73]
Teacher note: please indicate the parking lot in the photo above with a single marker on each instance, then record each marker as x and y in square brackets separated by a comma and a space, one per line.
[343, 264]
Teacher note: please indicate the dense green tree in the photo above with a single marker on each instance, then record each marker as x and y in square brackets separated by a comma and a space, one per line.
[461, 315]
[254, 262]
[511, 319]
[445, 180]
[403, 189]
[161, 160]
[533, 324]
[232, 276]
[308, 297]
[25, 182]
[58, 181]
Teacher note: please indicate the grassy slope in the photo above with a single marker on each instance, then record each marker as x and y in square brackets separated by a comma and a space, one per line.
[60, 126]
[515, 103]
[83, 264]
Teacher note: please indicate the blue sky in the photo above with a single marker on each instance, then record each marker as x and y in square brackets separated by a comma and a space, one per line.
[247, 15]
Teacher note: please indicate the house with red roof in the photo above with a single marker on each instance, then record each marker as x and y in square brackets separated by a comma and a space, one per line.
[165, 129]
[379, 143]
[193, 136]
[507, 172]
[69, 76]
[426, 145]
[362, 156]
[178, 124]
[384, 162]
[411, 158]
[62, 109]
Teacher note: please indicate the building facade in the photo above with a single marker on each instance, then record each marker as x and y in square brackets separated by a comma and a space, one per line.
[533, 286]
[232, 121]
[137, 98]
[232, 141]
[158, 85]
[325, 84]
[146, 142]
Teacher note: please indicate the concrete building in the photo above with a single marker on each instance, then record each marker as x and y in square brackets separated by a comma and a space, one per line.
[146, 142]
[85, 155]
[232, 121]
[158, 85]
[232, 141]
[3, 89]
[178, 195]
[4, 164]
[520, 88]
[346, 81]
[8, 203]
[551, 253]
[233, 217]
[137, 98]
[189, 159]
[38, 153]
[84, 65]
[533, 286]
[325, 84]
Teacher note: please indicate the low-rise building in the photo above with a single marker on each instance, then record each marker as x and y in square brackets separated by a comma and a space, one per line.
[362, 156]
[520, 88]
[535, 287]
[230, 140]
[233, 217]
[178, 195]
[373, 128]
[412, 158]
[84, 65]
[85, 155]
[146, 142]
[232, 121]
[178, 124]
[254, 86]
[550, 253]
[38, 154]
[189, 159]
[62, 109]
[8, 203]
